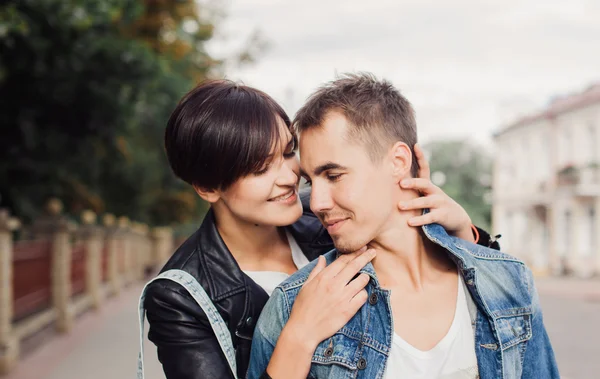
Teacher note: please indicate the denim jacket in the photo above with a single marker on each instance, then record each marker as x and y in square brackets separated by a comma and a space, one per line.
[510, 339]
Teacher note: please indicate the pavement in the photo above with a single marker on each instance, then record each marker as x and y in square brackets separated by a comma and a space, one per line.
[104, 344]
[571, 309]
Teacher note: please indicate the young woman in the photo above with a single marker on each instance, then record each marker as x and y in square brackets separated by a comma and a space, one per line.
[235, 146]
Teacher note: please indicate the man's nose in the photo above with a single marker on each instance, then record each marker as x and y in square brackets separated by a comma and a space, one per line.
[320, 199]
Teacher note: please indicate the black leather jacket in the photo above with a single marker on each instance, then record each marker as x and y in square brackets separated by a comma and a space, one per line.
[187, 347]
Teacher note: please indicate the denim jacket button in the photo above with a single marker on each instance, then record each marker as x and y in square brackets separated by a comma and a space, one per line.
[373, 299]
[362, 364]
[328, 352]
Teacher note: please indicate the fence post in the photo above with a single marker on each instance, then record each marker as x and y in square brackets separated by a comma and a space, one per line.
[58, 228]
[144, 251]
[93, 261]
[9, 344]
[162, 240]
[135, 250]
[125, 233]
[114, 284]
[61, 274]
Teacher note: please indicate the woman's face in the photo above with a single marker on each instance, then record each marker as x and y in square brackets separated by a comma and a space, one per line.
[269, 196]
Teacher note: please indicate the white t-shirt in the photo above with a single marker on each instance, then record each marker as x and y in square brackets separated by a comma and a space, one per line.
[452, 358]
[268, 280]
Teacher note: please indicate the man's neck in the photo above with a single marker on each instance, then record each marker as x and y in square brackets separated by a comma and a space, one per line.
[406, 258]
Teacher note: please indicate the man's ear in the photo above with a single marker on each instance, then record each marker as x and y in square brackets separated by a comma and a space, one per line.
[211, 196]
[401, 157]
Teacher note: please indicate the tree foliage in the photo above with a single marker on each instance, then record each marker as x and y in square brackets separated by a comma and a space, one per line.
[463, 171]
[86, 89]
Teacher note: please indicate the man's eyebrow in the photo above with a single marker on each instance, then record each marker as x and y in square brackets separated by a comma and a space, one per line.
[327, 166]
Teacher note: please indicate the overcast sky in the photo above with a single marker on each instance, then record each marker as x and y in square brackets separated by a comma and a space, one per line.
[467, 66]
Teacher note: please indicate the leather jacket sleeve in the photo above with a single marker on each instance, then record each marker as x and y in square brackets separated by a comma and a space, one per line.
[187, 346]
[487, 240]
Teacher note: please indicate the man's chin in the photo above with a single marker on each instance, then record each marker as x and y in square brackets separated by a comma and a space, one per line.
[346, 247]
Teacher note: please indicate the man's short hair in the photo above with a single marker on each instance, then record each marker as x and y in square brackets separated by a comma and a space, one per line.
[222, 131]
[378, 114]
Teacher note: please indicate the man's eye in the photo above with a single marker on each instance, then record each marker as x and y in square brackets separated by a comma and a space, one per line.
[333, 177]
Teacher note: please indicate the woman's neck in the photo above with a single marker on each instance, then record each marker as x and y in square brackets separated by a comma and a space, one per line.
[255, 247]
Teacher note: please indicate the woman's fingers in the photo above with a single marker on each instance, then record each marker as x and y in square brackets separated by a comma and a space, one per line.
[422, 185]
[429, 218]
[357, 284]
[424, 170]
[354, 266]
[321, 264]
[431, 201]
[338, 265]
[356, 302]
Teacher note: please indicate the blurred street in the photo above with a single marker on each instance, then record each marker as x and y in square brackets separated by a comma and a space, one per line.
[571, 313]
[105, 344]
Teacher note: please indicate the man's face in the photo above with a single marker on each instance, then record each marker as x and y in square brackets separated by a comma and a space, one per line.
[352, 196]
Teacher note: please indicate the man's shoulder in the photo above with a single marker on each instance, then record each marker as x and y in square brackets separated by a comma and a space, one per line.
[483, 253]
[504, 281]
[470, 253]
[297, 279]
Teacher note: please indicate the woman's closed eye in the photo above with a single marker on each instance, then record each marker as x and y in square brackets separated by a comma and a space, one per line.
[290, 150]
[263, 170]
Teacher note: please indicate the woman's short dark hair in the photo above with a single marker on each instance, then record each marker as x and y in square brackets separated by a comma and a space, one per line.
[222, 131]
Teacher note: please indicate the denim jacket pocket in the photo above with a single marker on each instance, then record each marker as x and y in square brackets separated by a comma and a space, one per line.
[337, 350]
[513, 330]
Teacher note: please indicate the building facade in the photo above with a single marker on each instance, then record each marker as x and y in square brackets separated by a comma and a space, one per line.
[546, 187]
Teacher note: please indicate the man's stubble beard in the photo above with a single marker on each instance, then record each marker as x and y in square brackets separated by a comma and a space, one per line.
[346, 247]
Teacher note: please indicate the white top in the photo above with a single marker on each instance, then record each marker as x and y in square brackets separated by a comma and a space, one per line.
[268, 280]
[452, 358]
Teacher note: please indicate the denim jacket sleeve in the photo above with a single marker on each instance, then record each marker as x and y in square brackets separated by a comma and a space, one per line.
[270, 323]
[539, 361]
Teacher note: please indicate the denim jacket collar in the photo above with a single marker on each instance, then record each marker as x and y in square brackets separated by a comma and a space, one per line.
[469, 258]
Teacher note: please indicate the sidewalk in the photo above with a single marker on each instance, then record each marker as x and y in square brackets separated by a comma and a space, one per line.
[102, 345]
[572, 288]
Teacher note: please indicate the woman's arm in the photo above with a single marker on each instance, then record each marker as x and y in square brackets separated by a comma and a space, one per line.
[186, 344]
[443, 209]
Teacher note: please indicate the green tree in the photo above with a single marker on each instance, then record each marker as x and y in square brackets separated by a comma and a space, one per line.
[463, 171]
[86, 88]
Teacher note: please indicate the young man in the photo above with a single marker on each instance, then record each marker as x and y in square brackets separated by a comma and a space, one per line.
[438, 306]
